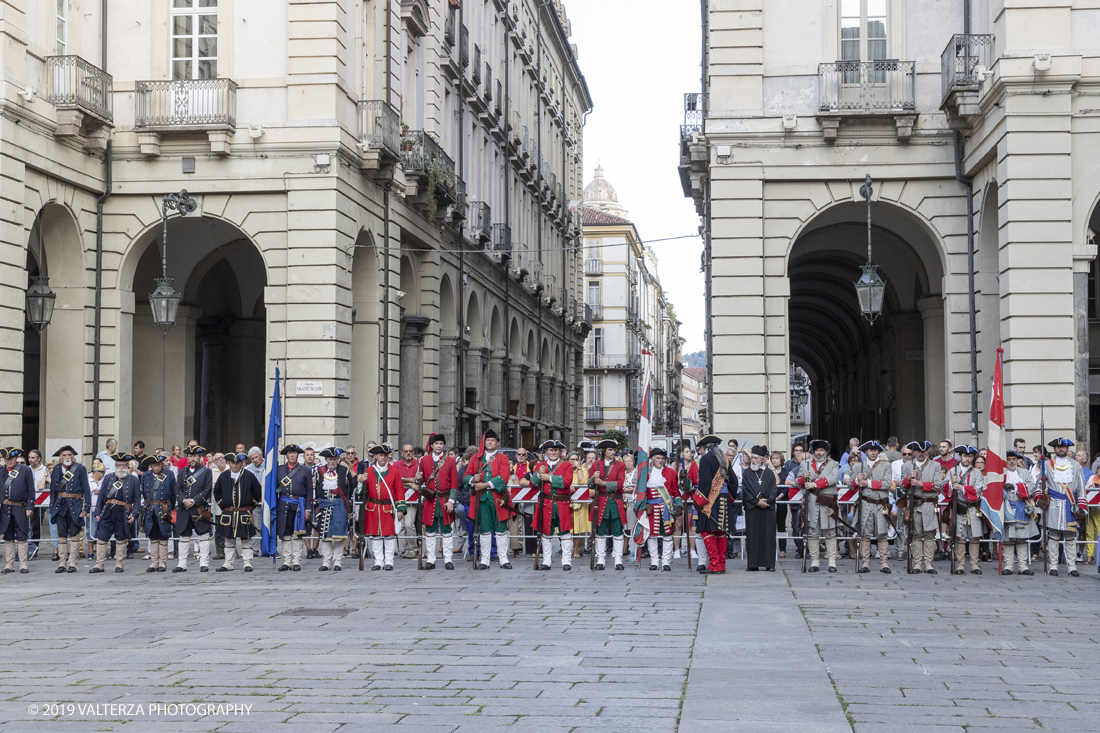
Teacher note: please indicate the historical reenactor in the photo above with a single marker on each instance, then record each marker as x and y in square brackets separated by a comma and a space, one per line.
[758, 495]
[487, 477]
[1063, 502]
[237, 492]
[921, 481]
[818, 477]
[383, 507]
[963, 490]
[553, 477]
[717, 485]
[332, 517]
[438, 511]
[873, 479]
[294, 484]
[662, 503]
[608, 513]
[1019, 514]
[16, 509]
[158, 496]
[70, 504]
[119, 500]
[194, 485]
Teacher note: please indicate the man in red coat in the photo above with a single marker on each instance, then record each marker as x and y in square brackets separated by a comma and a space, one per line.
[661, 502]
[608, 513]
[553, 477]
[440, 478]
[383, 507]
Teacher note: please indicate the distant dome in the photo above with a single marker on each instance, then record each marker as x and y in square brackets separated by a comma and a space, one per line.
[601, 195]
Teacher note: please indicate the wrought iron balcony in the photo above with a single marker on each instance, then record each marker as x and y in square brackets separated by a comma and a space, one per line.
[498, 100]
[481, 225]
[624, 362]
[73, 83]
[593, 413]
[185, 104]
[695, 112]
[464, 46]
[597, 311]
[588, 315]
[489, 83]
[502, 238]
[593, 267]
[475, 74]
[865, 87]
[379, 128]
[420, 153]
[449, 26]
[962, 59]
[461, 208]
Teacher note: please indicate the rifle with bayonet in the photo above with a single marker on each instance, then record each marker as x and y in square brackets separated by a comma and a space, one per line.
[1043, 502]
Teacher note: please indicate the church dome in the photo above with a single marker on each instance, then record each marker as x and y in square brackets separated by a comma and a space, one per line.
[600, 194]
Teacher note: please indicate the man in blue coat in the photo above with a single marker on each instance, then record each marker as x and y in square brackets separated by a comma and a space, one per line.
[294, 484]
[70, 504]
[17, 490]
[194, 486]
[119, 500]
[158, 496]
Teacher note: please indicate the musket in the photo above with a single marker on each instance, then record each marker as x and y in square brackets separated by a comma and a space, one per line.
[537, 523]
[688, 504]
[1043, 479]
[593, 498]
[802, 528]
[418, 524]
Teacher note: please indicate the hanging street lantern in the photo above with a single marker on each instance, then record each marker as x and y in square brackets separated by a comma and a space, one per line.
[165, 301]
[40, 299]
[870, 288]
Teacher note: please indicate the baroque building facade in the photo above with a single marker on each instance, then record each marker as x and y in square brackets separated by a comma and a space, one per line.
[381, 193]
[634, 324]
[976, 123]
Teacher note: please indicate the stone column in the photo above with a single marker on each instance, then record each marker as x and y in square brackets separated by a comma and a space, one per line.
[1081, 355]
[412, 346]
[909, 385]
[935, 386]
[448, 387]
[496, 382]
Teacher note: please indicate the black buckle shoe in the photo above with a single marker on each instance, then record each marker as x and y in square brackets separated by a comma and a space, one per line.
[323, 569]
[932, 571]
[283, 568]
[1027, 571]
[151, 569]
[653, 567]
[72, 569]
[915, 571]
[223, 569]
[960, 572]
[865, 569]
[618, 566]
[600, 567]
[814, 569]
[429, 566]
[832, 568]
[248, 568]
[1073, 573]
[1054, 572]
[336, 568]
[204, 569]
[482, 566]
[93, 571]
[388, 567]
[544, 567]
[667, 568]
[178, 569]
[1006, 571]
[885, 570]
[376, 567]
[296, 568]
[449, 565]
[59, 570]
[506, 566]
[567, 568]
[117, 570]
[976, 571]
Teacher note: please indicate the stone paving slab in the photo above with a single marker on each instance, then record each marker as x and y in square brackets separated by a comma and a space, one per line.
[450, 652]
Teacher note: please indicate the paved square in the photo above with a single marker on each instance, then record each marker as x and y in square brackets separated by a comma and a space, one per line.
[474, 651]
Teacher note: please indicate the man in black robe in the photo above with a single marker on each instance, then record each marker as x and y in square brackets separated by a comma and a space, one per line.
[759, 493]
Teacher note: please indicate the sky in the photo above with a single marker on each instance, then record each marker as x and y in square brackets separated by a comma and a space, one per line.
[639, 57]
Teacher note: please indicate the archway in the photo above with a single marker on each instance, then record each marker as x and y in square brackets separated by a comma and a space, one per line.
[448, 360]
[474, 377]
[366, 341]
[987, 297]
[53, 388]
[874, 380]
[205, 378]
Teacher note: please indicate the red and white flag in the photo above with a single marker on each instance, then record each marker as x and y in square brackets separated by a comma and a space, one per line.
[993, 496]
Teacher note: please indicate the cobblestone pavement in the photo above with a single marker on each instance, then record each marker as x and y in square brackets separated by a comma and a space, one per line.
[456, 651]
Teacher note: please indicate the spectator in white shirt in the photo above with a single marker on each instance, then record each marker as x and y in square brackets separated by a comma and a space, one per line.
[104, 456]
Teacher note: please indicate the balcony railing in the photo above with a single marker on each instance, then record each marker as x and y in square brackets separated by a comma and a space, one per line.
[464, 46]
[379, 126]
[461, 207]
[593, 413]
[695, 110]
[597, 311]
[449, 26]
[475, 75]
[73, 83]
[481, 223]
[962, 58]
[421, 153]
[502, 238]
[886, 85]
[588, 314]
[185, 103]
[498, 104]
[593, 267]
[489, 83]
[627, 362]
